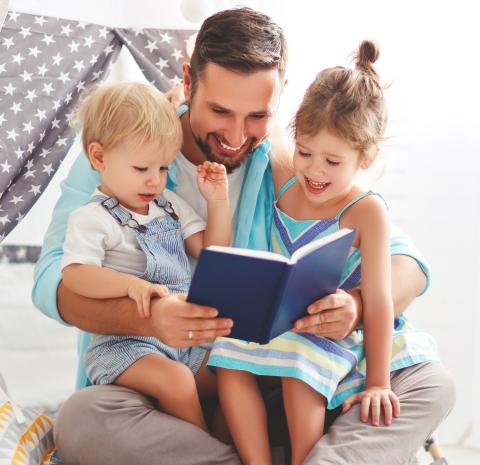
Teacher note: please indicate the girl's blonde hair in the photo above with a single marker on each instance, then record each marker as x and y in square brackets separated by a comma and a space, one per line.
[114, 113]
[348, 102]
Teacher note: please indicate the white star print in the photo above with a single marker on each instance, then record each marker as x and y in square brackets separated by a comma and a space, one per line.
[73, 46]
[18, 58]
[9, 89]
[48, 88]
[16, 199]
[81, 25]
[64, 77]
[79, 65]
[40, 114]
[35, 189]
[25, 32]
[103, 33]
[6, 167]
[2, 119]
[42, 70]
[56, 104]
[27, 127]
[26, 76]
[29, 174]
[16, 107]
[34, 51]
[13, 15]
[12, 135]
[161, 63]
[19, 153]
[57, 59]
[47, 169]
[177, 54]
[31, 94]
[31, 147]
[80, 86]
[4, 220]
[94, 59]
[55, 123]
[48, 39]
[108, 49]
[166, 37]
[88, 41]
[8, 42]
[97, 75]
[61, 142]
[18, 219]
[175, 80]
[68, 98]
[2, 68]
[67, 30]
[40, 20]
[44, 153]
[152, 45]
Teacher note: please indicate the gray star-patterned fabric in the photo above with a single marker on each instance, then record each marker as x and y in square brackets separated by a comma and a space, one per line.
[45, 64]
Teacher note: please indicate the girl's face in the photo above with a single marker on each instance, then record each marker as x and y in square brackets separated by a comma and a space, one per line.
[325, 166]
[133, 173]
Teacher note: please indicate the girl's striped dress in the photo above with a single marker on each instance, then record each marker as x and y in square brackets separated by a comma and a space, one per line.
[335, 368]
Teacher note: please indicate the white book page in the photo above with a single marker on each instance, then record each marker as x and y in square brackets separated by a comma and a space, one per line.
[262, 254]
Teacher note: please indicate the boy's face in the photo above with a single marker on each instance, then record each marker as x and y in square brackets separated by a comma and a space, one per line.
[133, 173]
[230, 114]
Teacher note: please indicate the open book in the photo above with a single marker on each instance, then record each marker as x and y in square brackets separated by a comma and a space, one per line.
[264, 292]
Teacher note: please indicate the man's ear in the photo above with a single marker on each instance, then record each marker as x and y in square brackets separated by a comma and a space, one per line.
[187, 81]
[96, 154]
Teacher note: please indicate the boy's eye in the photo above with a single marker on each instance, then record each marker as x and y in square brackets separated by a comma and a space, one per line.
[333, 163]
[141, 169]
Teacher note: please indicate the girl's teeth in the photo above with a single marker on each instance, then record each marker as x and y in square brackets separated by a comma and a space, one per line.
[318, 185]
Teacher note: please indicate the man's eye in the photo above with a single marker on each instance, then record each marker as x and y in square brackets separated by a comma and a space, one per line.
[141, 169]
[219, 111]
[333, 163]
[260, 116]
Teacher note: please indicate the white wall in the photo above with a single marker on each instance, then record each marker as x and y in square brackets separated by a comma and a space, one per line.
[429, 54]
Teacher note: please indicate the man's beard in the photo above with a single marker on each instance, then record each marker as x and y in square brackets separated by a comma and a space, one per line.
[207, 151]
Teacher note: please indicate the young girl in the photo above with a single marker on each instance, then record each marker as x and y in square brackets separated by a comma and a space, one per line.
[132, 237]
[337, 130]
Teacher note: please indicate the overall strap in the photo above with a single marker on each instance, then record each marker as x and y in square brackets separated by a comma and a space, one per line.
[355, 200]
[285, 187]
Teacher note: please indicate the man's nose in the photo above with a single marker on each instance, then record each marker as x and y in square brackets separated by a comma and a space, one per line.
[236, 136]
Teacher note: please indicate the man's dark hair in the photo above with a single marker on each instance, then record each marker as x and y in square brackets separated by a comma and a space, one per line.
[241, 40]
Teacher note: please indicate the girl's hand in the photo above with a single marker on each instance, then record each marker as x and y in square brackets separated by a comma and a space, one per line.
[373, 400]
[176, 95]
[212, 181]
[141, 292]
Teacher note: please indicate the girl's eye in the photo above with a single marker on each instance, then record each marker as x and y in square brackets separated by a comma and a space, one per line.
[164, 169]
[303, 154]
[333, 163]
[141, 169]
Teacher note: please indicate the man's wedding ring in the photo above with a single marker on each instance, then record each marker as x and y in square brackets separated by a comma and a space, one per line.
[190, 335]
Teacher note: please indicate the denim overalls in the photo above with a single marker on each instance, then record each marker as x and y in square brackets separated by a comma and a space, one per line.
[161, 241]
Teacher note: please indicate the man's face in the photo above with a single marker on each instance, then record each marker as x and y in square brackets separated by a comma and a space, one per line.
[231, 113]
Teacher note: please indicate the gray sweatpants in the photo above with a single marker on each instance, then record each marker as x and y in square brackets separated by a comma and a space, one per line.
[113, 425]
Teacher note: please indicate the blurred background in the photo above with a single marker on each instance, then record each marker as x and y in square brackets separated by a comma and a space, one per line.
[428, 171]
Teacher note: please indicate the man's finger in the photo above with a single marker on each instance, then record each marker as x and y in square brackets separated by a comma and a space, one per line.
[196, 311]
[204, 324]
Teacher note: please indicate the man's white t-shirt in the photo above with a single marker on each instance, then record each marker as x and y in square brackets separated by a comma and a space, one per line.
[94, 237]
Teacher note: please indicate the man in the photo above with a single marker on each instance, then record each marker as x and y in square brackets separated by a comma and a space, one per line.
[233, 86]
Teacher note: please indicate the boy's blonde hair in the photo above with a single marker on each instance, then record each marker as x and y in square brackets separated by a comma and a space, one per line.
[114, 113]
[348, 102]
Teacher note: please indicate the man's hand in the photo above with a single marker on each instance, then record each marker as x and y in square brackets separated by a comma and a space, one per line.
[178, 323]
[334, 316]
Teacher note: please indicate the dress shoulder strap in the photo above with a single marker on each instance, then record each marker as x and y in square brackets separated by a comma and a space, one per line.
[355, 200]
[285, 187]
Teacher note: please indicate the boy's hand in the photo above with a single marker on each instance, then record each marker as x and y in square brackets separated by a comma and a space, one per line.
[212, 181]
[141, 292]
[372, 400]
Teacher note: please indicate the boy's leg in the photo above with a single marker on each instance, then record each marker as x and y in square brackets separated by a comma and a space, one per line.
[426, 393]
[170, 383]
[305, 411]
[114, 425]
[244, 410]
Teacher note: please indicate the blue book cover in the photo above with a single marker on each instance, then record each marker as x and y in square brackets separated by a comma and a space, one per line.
[264, 292]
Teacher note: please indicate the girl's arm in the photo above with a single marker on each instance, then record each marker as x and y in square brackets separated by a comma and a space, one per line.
[213, 185]
[281, 156]
[102, 283]
[371, 219]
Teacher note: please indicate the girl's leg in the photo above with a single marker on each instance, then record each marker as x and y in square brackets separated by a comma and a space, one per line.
[244, 410]
[170, 382]
[305, 411]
